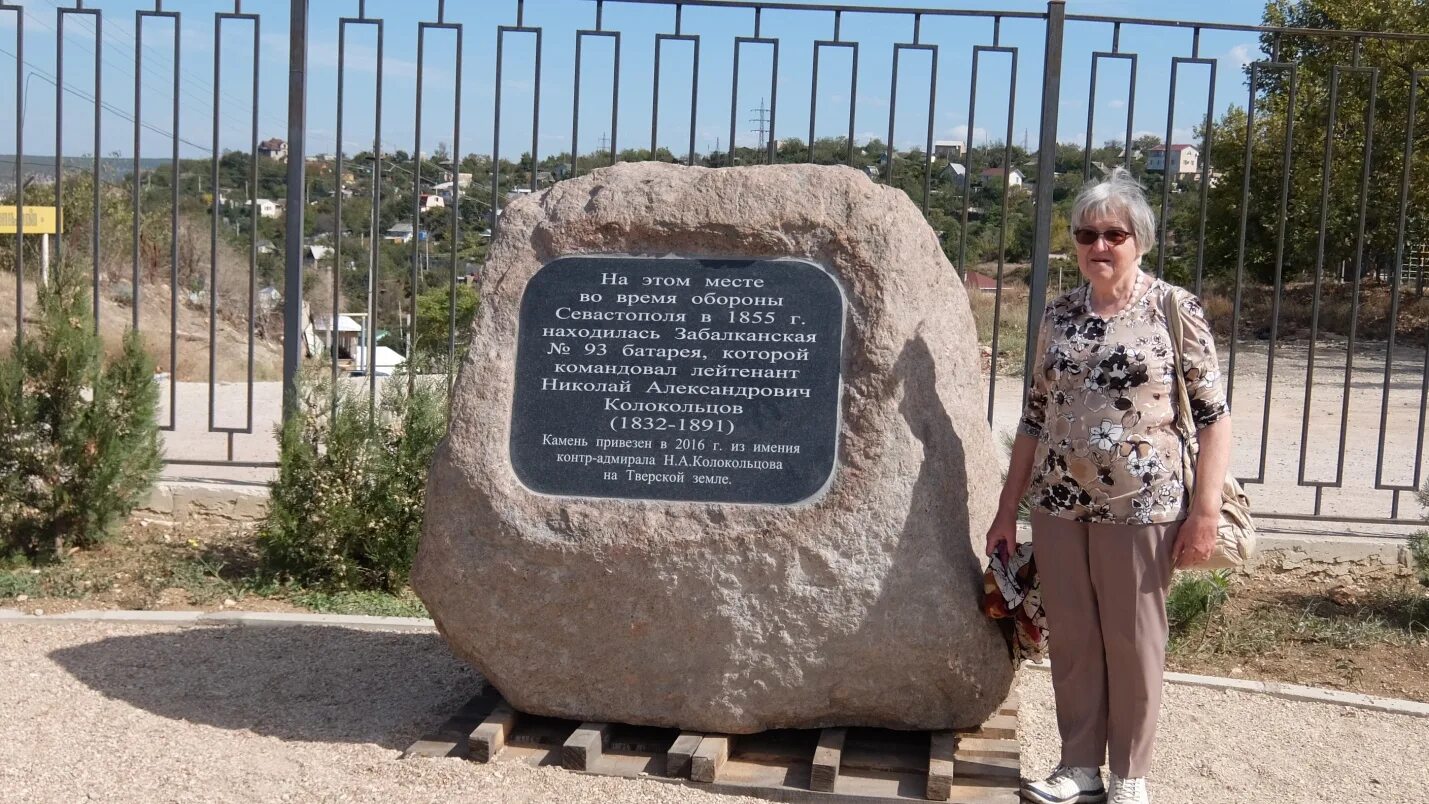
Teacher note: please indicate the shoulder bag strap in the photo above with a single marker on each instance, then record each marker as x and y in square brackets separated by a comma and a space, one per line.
[1174, 326]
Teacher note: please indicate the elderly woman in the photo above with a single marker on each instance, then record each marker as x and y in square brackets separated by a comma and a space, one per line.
[1098, 456]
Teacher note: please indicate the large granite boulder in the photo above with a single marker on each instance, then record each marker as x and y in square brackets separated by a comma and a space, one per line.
[858, 606]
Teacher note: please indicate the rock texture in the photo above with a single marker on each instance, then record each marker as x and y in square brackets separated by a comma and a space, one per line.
[860, 608]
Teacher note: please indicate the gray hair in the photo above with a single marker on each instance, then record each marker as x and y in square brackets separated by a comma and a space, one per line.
[1119, 196]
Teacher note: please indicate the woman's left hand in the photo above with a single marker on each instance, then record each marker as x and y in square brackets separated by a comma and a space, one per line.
[1196, 540]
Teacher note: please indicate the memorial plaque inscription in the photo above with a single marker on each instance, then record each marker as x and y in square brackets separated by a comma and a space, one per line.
[700, 380]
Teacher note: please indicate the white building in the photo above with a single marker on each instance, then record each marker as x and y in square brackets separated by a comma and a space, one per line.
[267, 208]
[1014, 177]
[347, 337]
[399, 233]
[274, 149]
[432, 201]
[1185, 160]
[949, 149]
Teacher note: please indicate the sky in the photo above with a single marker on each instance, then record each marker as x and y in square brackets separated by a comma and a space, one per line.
[877, 99]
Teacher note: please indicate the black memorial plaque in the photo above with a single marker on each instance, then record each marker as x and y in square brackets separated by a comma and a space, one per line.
[702, 380]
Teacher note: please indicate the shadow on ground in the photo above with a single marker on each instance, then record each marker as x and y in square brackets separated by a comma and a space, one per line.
[312, 684]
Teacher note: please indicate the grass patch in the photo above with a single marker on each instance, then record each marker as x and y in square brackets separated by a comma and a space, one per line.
[16, 582]
[202, 579]
[1194, 597]
[378, 604]
[1396, 618]
[1011, 326]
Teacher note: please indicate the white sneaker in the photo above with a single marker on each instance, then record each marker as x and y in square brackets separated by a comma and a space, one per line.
[1128, 791]
[1067, 785]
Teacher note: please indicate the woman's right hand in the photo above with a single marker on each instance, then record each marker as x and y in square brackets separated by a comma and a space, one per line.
[1002, 535]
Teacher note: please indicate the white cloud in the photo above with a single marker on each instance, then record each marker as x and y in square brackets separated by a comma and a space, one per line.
[961, 133]
[1241, 55]
[1116, 103]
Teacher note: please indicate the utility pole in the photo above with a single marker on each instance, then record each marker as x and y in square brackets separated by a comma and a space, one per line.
[603, 144]
[761, 122]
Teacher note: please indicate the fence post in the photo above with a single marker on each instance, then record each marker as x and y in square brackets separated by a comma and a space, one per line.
[1046, 177]
[293, 324]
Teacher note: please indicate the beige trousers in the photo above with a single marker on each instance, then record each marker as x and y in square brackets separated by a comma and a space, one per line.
[1104, 590]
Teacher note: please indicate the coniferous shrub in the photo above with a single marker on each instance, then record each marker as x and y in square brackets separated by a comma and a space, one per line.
[79, 439]
[345, 511]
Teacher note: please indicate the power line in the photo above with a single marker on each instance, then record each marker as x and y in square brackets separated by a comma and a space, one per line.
[108, 107]
[119, 35]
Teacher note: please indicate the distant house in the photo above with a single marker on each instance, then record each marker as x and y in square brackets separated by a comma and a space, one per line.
[399, 233]
[1185, 160]
[955, 174]
[1014, 178]
[949, 149]
[447, 191]
[431, 201]
[274, 149]
[462, 179]
[266, 247]
[981, 283]
[267, 208]
[346, 337]
[315, 253]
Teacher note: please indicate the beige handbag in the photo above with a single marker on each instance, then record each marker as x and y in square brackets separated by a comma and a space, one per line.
[1235, 541]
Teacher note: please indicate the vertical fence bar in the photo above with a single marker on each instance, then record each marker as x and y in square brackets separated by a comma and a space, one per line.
[1092, 103]
[501, 32]
[740, 41]
[1046, 176]
[614, 98]
[95, 220]
[1394, 296]
[1166, 170]
[134, 179]
[819, 44]
[139, 18]
[660, 39]
[19, 12]
[455, 216]
[978, 51]
[333, 328]
[297, 164]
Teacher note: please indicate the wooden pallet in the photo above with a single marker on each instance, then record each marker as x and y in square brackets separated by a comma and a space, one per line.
[976, 766]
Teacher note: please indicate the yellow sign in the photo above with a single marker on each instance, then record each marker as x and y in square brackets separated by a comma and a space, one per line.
[38, 220]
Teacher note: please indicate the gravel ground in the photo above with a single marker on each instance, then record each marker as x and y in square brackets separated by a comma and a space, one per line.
[144, 713]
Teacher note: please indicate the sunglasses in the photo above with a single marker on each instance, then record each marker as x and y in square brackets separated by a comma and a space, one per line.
[1113, 237]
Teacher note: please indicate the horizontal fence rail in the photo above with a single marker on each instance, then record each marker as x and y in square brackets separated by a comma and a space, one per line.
[1286, 187]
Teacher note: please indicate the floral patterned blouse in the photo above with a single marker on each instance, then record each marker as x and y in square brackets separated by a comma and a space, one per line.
[1102, 406]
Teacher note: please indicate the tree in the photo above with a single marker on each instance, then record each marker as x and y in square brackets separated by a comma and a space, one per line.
[1316, 57]
[434, 321]
[79, 442]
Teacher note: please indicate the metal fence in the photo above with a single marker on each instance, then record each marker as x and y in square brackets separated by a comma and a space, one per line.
[1238, 204]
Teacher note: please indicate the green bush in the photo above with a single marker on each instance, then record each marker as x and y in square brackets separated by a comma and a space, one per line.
[345, 512]
[79, 440]
[1419, 550]
[1194, 596]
